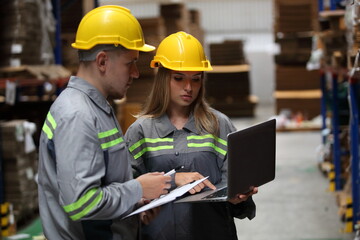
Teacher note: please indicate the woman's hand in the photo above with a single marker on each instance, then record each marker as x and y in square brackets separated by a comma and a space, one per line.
[147, 216]
[182, 178]
[243, 197]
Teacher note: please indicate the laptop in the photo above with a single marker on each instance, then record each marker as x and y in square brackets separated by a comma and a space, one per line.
[251, 162]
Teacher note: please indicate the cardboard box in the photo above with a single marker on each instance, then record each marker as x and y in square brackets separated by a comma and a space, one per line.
[225, 84]
[240, 107]
[12, 139]
[306, 102]
[126, 112]
[176, 17]
[296, 78]
[295, 16]
[139, 90]
[227, 53]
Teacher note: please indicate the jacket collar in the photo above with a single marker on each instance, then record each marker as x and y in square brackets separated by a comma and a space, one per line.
[164, 127]
[94, 94]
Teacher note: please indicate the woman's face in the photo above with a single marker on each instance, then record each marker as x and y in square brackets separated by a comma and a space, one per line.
[184, 87]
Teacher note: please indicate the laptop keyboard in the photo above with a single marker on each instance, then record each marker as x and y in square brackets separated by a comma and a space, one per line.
[220, 193]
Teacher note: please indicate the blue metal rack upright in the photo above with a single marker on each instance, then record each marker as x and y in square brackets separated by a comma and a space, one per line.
[336, 131]
[354, 79]
[331, 75]
[2, 199]
[323, 107]
[57, 15]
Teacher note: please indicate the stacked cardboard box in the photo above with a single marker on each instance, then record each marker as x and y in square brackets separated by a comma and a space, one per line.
[27, 34]
[297, 90]
[20, 35]
[154, 31]
[227, 53]
[19, 168]
[176, 17]
[295, 16]
[296, 78]
[195, 27]
[228, 87]
[295, 48]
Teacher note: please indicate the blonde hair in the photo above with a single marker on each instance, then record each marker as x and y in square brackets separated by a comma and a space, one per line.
[159, 99]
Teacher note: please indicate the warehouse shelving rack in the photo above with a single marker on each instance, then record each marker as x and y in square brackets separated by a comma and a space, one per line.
[330, 76]
[57, 14]
[333, 4]
[354, 79]
[1, 173]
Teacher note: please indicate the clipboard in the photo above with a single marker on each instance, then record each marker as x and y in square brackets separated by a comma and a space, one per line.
[171, 196]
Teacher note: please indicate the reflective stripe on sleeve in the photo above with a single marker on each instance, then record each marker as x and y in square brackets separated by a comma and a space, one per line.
[49, 126]
[110, 138]
[84, 205]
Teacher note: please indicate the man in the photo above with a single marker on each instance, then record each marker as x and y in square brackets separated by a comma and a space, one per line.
[85, 178]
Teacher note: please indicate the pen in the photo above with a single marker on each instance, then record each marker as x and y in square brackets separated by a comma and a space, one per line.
[172, 171]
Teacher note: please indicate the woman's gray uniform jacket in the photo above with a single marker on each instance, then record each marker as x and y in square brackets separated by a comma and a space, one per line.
[156, 145]
[85, 177]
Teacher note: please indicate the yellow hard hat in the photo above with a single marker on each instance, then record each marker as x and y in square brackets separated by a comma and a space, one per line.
[110, 25]
[181, 52]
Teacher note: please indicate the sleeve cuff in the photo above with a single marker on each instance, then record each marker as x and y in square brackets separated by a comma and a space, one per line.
[172, 182]
[137, 189]
[243, 210]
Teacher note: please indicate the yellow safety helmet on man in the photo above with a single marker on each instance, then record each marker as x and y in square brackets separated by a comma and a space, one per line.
[181, 52]
[110, 25]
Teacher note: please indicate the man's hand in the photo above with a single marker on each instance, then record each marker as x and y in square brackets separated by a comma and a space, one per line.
[182, 178]
[154, 184]
[243, 197]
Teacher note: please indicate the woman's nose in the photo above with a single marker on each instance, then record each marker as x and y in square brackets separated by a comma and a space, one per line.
[187, 85]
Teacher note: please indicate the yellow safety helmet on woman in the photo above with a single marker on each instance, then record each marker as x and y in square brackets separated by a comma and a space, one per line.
[110, 25]
[181, 52]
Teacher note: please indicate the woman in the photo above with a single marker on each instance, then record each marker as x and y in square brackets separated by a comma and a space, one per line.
[178, 128]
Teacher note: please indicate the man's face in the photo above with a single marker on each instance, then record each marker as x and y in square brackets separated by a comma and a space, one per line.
[120, 72]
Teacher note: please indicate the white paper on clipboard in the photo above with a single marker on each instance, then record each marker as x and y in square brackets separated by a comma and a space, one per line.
[171, 196]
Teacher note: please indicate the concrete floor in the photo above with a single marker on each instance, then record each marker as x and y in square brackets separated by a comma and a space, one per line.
[297, 204]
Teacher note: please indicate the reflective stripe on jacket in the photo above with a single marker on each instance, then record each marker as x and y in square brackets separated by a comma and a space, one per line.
[156, 145]
[85, 178]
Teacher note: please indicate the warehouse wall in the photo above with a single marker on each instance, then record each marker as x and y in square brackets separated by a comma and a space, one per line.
[249, 20]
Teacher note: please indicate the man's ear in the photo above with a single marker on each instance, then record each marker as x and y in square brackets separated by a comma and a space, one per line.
[101, 60]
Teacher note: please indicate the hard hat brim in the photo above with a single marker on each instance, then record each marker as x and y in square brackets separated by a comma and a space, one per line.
[145, 48]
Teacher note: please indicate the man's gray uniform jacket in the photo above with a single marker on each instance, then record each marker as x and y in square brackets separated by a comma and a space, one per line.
[85, 178]
[156, 145]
